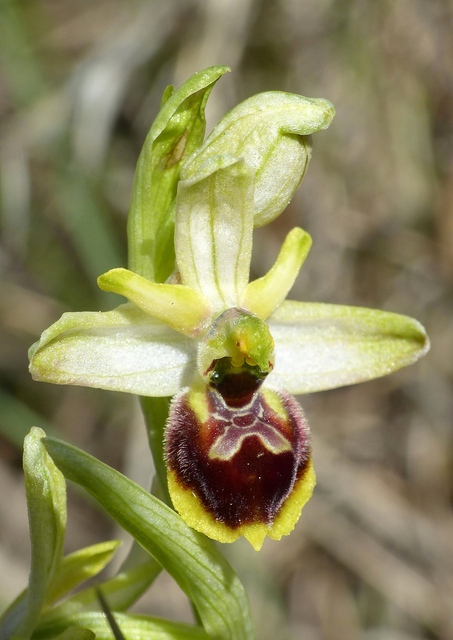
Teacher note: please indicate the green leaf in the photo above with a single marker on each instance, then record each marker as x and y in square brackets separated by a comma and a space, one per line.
[74, 569]
[117, 633]
[177, 131]
[193, 561]
[122, 591]
[78, 567]
[131, 626]
[270, 132]
[76, 633]
[46, 500]
[324, 346]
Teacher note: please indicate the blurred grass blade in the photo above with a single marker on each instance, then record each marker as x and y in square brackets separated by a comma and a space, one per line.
[21, 68]
[193, 561]
[80, 566]
[46, 500]
[177, 131]
[16, 418]
[87, 223]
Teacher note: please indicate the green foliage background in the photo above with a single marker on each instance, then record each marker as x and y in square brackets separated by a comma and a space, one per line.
[80, 84]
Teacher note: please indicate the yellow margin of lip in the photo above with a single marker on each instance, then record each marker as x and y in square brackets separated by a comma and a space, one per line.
[197, 517]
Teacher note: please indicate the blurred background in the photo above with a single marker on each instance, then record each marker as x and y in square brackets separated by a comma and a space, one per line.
[80, 83]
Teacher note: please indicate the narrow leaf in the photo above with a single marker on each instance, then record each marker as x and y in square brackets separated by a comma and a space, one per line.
[46, 500]
[80, 566]
[76, 633]
[192, 560]
[117, 633]
[132, 627]
[122, 591]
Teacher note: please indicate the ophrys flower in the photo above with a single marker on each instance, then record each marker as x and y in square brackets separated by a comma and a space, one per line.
[230, 351]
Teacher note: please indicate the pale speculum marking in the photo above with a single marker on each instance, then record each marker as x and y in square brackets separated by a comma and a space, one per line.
[243, 423]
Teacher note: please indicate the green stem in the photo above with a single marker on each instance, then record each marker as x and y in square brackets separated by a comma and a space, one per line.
[155, 412]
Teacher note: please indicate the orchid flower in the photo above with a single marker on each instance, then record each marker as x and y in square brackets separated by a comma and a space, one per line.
[230, 351]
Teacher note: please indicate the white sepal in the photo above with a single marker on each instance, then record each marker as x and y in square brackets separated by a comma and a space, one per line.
[323, 346]
[121, 350]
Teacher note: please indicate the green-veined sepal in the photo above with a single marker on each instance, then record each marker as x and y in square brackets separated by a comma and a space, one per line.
[324, 346]
[214, 228]
[121, 350]
[270, 131]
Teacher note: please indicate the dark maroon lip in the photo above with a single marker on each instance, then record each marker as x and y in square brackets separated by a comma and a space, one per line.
[243, 461]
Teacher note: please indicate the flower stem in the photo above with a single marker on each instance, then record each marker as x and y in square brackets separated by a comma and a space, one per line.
[155, 412]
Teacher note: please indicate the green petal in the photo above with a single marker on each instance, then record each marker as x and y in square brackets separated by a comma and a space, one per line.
[121, 350]
[180, 307]
[176, 132]
[269, 131]
[264, 295]
[214, 227]
[322, 346]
